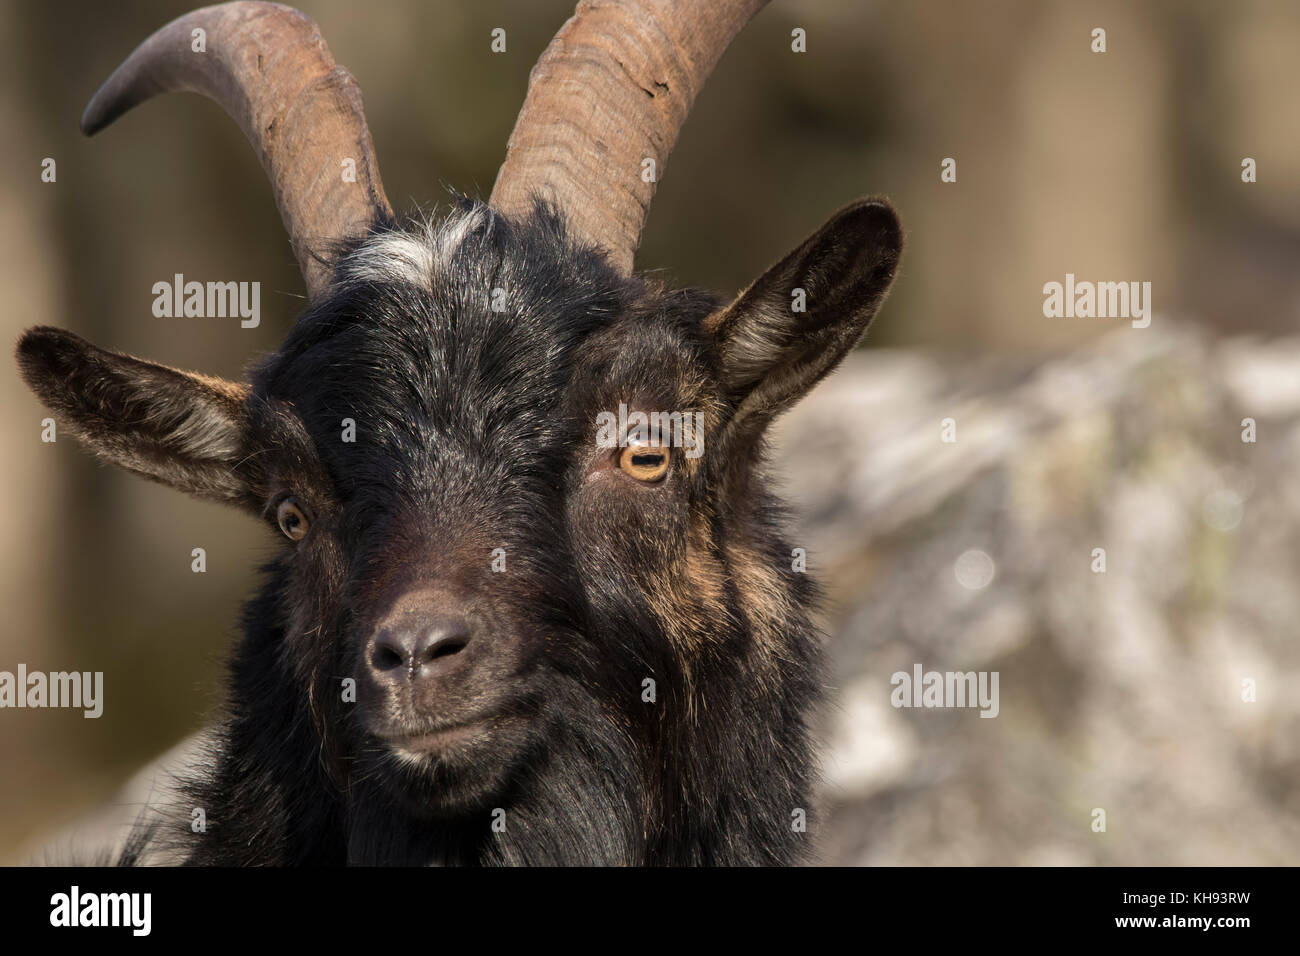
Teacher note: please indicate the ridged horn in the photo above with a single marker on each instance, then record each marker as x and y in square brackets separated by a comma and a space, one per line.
[612, 90]
[267, 66]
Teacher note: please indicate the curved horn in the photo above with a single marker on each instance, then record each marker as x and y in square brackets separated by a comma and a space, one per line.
[613, 89]
[267, 66]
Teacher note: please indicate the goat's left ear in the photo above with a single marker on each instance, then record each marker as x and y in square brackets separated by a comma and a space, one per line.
[803, 315]
[181, 429]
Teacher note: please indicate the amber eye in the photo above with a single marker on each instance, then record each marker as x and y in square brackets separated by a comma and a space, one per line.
[292, 518]
[644, 462]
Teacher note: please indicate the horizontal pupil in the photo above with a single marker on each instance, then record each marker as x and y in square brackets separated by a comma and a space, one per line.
[647, 459]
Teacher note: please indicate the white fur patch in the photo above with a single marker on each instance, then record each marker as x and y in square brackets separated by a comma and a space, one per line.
[413, 257]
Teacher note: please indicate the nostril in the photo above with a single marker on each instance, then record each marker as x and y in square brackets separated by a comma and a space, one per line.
[386, 657]
[443, 642]
[445, 648]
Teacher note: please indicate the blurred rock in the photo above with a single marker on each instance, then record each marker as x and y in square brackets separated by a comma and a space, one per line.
[1120, 690]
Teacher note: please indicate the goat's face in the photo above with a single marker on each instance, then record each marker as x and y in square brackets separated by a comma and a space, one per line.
[471, 566]
[469, 363]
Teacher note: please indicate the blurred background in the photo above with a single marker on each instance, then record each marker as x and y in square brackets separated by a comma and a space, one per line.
[1119, 691]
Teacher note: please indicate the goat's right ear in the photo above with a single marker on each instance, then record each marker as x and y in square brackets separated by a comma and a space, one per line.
[181, 429]
[803, 315]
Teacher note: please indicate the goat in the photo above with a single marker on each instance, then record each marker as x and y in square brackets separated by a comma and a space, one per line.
[490, 638]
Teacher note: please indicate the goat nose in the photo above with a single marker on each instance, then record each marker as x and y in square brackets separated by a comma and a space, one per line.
[418, 647]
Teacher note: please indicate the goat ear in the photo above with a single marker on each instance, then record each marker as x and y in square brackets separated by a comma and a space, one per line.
[178, 428]
[803, 315]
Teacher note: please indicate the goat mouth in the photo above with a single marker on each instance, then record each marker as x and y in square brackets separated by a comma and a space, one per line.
[430, 742]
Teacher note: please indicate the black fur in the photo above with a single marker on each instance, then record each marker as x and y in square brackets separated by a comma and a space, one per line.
[473, 432]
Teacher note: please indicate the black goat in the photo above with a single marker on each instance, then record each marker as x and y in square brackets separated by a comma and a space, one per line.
[491, 636]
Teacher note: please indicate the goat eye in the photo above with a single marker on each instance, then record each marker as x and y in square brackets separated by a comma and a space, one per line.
[644, 462]
[293, 520]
